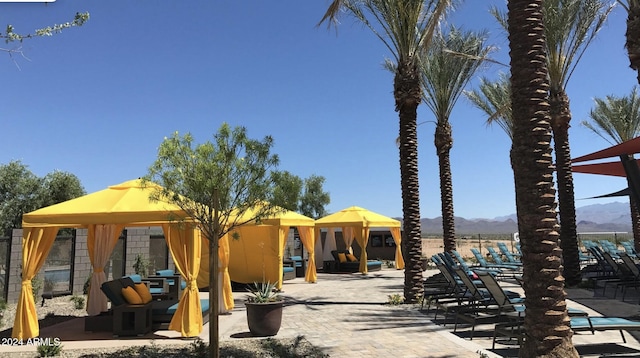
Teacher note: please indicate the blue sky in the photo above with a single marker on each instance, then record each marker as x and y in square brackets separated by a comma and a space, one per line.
[97, 101]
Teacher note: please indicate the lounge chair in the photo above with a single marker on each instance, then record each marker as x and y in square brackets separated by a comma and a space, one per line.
[468, 267]
[484, 263]
[498, 260]
[629, 249]
[511, 257]
[346, 265]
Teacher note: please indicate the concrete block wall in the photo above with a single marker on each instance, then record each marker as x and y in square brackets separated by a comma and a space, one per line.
[82, 264]
[15, 267]
[137, 242]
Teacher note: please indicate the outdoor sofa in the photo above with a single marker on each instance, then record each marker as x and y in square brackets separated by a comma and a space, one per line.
[126, 319]
[346, 262]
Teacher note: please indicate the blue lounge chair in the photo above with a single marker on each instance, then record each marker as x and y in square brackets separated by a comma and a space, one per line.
[498, 260]
[511, 257]
[484, 263]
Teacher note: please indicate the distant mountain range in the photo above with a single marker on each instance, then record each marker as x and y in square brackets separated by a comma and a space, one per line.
[591, 218]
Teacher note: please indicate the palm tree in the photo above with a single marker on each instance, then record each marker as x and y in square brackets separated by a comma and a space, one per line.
[404, 27]
[546, 321]
[449, 64]
[633, 33]
[570, 27]
[494, 99]
[616, 120]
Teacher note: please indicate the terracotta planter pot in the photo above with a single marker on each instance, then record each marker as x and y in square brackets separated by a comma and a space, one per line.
[264, 319]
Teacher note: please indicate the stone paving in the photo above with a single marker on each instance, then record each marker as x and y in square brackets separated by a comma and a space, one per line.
[347, 315]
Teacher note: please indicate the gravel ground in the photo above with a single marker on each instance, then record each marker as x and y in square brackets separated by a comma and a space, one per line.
[59, 309]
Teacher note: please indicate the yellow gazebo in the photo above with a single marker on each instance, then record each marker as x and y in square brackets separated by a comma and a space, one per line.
[105, 213]
[355, 222]
[256, 250]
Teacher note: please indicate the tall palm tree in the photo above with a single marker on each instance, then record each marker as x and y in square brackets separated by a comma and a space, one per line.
[616, 120]
[570, 27]
[448, 66]
[633, 33]
[546, 321]
[404, 27]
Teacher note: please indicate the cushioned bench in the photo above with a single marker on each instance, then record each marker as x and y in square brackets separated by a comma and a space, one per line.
[155, 314]
[288, 273]
[345, 265]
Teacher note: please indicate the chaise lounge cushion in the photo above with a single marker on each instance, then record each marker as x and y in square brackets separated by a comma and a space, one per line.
[113, 290]
[143, 291]
[131, 296]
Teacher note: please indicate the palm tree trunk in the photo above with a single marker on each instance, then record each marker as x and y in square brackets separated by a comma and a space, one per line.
[560, 118]
[633, 37]
[444, 143]
[546, 320]
[407, 93]
[635, 222]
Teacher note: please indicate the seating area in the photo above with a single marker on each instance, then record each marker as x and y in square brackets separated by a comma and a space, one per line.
[472, 296]
[347, 262]
[137, 308]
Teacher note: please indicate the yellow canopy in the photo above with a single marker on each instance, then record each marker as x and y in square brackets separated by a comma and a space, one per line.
[125, 203]
[258, 253]
[104, 214]
[360, 220]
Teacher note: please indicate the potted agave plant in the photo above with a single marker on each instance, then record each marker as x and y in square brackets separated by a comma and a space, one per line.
[264, 309]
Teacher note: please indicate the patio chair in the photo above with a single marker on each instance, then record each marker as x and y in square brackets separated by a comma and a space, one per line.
[511, 257]
[484, 263]
[629, 249]
[498, 260]
[468, 267]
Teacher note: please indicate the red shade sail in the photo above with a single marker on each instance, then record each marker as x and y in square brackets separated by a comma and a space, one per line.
[629, 147]
[608, 168]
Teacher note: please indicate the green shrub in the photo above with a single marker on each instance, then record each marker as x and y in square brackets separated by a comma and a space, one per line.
[36, 285]
[78, 302]
[141, 266]
[87, 283]
[395, 299]
[49, 350]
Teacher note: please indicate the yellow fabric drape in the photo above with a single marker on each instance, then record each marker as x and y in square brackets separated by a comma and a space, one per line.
[317, 257]
[36, 244]
[347, 237]
[283, 232]
[226, 303]
[307, 238]
[362, 237]
[186, 249]
[397, 238]
[224, 284]
[101, 239]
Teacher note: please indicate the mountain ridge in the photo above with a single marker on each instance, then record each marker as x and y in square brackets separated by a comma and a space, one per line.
[609, 217]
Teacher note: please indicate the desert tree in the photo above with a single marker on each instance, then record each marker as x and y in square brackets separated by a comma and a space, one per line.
[220, 185]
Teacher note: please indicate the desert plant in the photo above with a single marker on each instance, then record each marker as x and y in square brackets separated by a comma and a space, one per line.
[49, 350]
[199, 349]
[141, 266]
[78, 302]
[36, 285]
[263, 292]
[395, 299]
[87, 284]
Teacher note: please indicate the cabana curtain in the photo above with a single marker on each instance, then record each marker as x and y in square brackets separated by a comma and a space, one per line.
[101, 239]
[307, 239]
[36, 244]
[395, 233]
[186, 249]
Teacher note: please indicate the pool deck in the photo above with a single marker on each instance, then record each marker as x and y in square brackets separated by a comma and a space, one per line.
[346, 315]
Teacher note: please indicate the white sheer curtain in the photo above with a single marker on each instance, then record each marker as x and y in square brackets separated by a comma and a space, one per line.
[329, 245]
[101, 239]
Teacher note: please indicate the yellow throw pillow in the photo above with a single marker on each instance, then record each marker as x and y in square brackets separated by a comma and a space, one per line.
[351, 258]
[131, 296]
[342, 257]
[143, 291]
